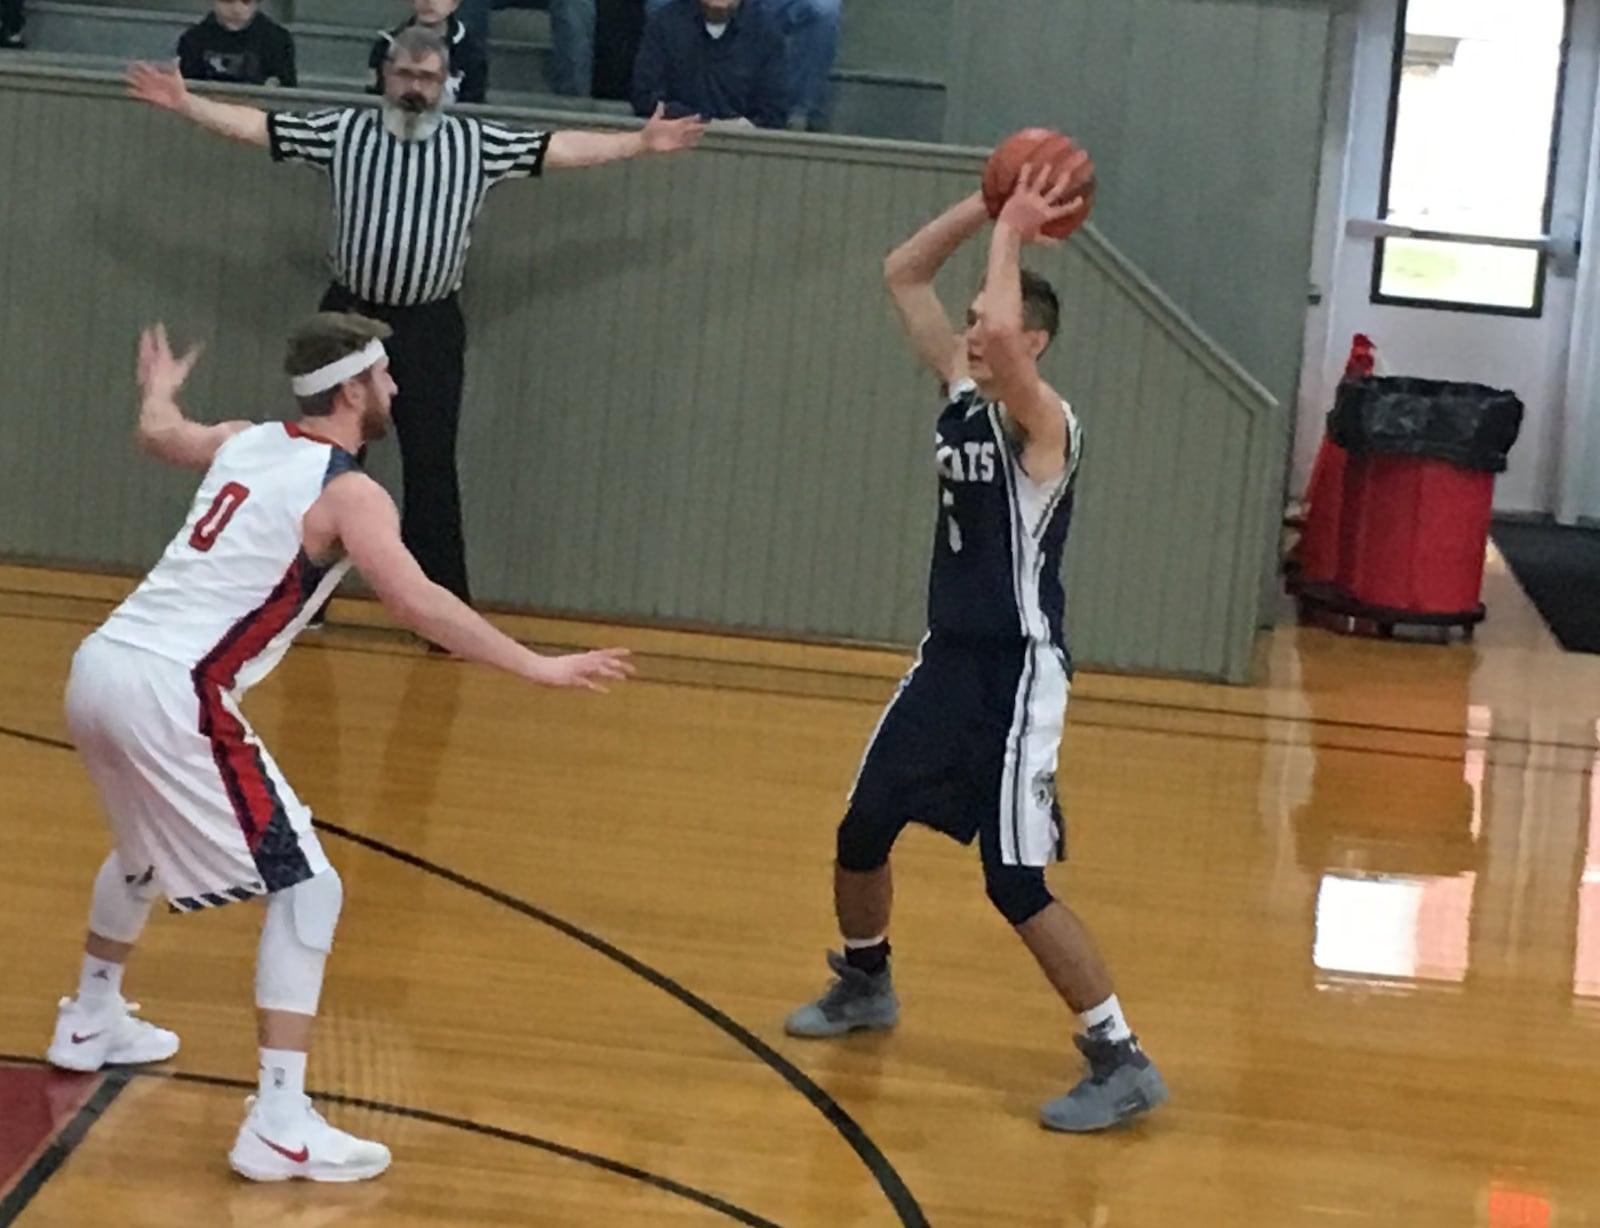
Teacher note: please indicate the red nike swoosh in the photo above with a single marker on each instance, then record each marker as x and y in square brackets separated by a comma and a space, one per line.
[80, 1040]
[295, 1157]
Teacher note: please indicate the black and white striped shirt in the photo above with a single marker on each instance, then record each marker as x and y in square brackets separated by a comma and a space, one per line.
[403, 210]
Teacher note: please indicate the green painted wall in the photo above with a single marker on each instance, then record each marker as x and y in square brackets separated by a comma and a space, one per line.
[1205, 118]
[687, 398]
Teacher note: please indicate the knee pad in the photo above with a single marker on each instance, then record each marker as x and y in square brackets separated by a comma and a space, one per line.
[864, 841]
[122, 899]
[1019, 892]
[295, 940]
[314, 907]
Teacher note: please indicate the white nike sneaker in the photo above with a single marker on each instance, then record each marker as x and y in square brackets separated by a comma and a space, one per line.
[106, 1034]
[292, 1142]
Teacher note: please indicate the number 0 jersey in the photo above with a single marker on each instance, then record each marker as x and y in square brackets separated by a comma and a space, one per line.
[235, 586]
[996, 571]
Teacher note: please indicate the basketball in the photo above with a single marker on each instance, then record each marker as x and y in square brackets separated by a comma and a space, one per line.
[1040, 147]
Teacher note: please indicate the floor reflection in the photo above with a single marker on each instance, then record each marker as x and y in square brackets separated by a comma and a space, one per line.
[1394, 927]
[1586, 954]
[1392, 836]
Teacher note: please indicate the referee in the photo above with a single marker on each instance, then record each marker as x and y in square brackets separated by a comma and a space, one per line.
[408, 181]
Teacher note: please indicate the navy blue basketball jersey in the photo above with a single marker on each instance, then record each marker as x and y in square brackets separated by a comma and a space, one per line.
[997, 552]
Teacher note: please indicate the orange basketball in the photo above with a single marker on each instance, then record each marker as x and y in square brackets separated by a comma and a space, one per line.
[1038, 147]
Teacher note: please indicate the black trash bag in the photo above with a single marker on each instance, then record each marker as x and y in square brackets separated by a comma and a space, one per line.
[1469, 425]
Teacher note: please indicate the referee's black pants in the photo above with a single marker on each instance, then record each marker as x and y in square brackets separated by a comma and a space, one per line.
[427, 358]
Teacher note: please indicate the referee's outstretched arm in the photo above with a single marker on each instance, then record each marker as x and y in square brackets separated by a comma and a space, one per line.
[162, 85]
[659, 135]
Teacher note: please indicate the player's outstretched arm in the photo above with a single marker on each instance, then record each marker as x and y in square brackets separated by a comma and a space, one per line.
[908, 274]
[161, 85]
[1031, 403]
[163, 430]
[357, 513]
[659, 135]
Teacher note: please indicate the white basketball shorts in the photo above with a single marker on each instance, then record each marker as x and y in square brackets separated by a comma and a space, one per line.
[187, 787]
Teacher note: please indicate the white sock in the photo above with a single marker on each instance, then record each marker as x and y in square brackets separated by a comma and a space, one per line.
[1105, 1022]
[861, 944]
[100, 982]
[283, 1075]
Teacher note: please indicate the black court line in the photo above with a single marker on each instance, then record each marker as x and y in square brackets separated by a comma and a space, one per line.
[1154, 705]
[1201, 735]
[1336, 748]
[122, 1075]
[49, 1161]
[37, 739]
[883, 1172]
[1076, 721]
[314, 643]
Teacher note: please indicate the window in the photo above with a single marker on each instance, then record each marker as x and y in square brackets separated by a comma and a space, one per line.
[1471, 154]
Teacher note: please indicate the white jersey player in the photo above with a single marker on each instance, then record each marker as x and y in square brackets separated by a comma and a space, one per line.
[198, 810]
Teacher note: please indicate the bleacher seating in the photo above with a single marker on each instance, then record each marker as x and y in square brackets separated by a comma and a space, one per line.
[884, 85]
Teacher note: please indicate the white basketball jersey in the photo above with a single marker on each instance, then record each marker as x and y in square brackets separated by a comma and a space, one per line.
[235, 586]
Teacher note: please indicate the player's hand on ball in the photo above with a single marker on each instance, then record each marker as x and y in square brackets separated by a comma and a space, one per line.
[1041, 200]
[588, 670]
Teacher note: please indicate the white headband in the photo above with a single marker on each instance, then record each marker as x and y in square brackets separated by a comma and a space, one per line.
[335, 373]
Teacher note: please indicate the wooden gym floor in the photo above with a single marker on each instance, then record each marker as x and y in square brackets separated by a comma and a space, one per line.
[1354, 912]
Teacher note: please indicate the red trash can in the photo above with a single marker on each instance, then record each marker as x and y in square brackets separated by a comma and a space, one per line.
[1315, 557]
[1418, 493]
[1413, 534]
[1316, 553]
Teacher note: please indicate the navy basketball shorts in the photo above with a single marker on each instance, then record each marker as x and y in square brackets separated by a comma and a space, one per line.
[968, 747]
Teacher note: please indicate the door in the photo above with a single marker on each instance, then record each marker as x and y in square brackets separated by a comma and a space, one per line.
[1453, 192]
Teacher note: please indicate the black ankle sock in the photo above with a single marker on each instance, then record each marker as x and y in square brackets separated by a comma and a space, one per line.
[871, 960]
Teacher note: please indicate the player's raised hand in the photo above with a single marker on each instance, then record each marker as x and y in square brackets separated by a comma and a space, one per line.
[1041, 199]
[159, 372]
[588, 670]
[663, 135]
[161, 85]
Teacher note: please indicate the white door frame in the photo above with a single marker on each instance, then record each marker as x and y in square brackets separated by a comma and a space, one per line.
[1580, 442]
[1360, 77]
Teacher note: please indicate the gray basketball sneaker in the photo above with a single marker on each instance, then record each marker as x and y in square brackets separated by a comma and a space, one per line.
[856, 999]
[1122, 1083]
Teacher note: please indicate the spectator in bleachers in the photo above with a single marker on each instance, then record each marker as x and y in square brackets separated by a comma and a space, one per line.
[572, 30]
[720, 59]
[240, 44]
[11, 23]
[469, 57]
[811, 44]
[618, 31]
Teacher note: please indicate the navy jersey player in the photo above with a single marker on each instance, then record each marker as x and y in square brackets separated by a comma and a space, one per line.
[968, 744]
